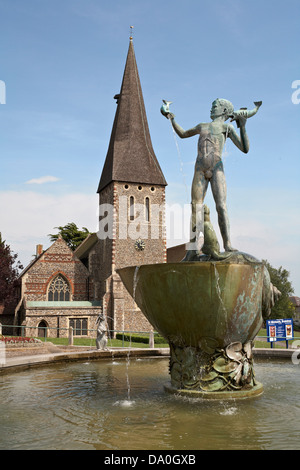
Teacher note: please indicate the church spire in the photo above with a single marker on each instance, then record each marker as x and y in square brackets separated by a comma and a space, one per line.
[130, 156]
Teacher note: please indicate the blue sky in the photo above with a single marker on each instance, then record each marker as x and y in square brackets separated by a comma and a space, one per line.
[62, 62]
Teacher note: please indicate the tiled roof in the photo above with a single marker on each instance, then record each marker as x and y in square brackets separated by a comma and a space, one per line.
[130, 155]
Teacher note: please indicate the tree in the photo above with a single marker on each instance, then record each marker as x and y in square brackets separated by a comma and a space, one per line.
[71, 234]
[283, 308]
[9, 275]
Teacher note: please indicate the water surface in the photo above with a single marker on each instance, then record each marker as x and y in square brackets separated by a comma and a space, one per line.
[113, 405]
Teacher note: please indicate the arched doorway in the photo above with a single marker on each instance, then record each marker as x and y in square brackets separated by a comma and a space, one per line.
[42, 329]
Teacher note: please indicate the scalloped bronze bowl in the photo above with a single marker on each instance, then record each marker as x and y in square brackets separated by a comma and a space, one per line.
[207, 304]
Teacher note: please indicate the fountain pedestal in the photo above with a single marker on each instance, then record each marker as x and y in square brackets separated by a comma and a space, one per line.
[226, 373]
[209, 312]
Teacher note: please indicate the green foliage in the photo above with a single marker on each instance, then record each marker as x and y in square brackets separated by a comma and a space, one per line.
[9, 275]
[283, 308]
[137, 338]
[71, 234]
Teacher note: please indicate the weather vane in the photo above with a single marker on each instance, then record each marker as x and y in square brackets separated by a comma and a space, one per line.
[131, 33]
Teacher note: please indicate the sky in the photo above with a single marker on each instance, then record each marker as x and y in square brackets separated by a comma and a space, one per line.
[62, 61]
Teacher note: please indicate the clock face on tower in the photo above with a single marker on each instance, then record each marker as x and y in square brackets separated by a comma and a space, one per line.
[139, 245]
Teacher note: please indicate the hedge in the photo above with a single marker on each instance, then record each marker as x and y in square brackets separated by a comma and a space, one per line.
[137, 338]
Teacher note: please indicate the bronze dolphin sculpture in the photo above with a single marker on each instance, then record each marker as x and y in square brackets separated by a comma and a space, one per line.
[211, 245]
[245, 112]
[165, 108]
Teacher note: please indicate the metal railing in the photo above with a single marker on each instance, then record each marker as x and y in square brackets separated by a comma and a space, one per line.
[91, 334]
[281, 340]
[71, 333]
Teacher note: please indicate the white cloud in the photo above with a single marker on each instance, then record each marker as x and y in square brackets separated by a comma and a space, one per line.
[27, 217]
[42, 180]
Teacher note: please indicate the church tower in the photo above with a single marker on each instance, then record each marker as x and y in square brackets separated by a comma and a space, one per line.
[132, 203]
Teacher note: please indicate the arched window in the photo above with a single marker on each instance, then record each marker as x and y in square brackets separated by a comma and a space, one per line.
[147, 209]
[131, 208]
[59, 289]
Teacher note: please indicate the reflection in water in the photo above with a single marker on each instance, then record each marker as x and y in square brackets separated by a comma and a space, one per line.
[86, 406]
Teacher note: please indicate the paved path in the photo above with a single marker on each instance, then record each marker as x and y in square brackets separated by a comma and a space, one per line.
[28, 359]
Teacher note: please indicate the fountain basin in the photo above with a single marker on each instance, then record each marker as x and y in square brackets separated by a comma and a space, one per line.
[209, 312]
[207, 304]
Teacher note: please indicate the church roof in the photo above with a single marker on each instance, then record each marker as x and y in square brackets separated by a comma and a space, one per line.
[130, 156]
[86, 245]
[52, 248]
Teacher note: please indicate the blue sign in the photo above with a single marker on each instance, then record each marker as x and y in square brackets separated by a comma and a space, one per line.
[279, 330]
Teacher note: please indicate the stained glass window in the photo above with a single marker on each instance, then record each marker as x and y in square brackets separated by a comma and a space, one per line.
[59, 289]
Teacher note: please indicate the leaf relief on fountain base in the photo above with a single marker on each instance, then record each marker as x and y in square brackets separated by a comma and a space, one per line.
[226, 369]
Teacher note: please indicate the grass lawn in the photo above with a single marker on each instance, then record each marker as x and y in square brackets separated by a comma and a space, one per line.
[114, 343]
[263, 343]
[258, 343]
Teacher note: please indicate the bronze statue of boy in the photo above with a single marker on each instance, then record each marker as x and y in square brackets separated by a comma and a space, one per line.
[209, 166]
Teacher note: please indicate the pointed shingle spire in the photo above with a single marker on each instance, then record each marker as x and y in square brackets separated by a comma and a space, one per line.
[130, 156]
